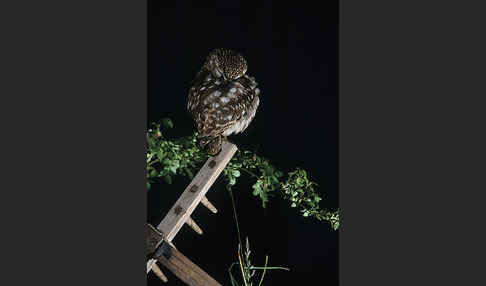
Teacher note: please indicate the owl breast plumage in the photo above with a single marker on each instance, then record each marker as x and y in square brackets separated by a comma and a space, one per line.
[223, 99]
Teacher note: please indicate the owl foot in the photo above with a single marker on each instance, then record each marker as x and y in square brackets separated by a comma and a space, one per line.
[214, 147]
[204, 141]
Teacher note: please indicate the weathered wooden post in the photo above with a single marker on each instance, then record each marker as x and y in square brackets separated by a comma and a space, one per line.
[159, 241]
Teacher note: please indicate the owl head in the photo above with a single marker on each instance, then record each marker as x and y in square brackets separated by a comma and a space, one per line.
[226, 63]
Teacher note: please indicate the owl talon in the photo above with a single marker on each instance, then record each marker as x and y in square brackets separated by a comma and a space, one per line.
[214, 146]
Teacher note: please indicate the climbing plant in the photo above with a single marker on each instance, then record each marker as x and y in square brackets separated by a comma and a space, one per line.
[169, 157]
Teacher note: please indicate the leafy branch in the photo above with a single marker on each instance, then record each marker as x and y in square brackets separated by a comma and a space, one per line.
[183, 157]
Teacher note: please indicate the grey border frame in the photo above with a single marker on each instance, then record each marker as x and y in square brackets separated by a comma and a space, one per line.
[412, 147]
[75, 86]
[412, 157]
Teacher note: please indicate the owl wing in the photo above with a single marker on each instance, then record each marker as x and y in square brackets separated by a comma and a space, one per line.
[217, 105]
[247, 86]
[196, 84]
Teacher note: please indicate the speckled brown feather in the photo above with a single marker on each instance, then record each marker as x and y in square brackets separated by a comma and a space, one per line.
[223, 99]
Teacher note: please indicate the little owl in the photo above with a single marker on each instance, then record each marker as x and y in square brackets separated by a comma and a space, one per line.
[223, 99]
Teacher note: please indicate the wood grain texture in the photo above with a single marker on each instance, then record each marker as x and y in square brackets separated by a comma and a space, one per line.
[159, 273]
[191, 223]
[153, 238]
[192, 195]
[205, 202]
[150, 264]
[151, 261]
[186, 270]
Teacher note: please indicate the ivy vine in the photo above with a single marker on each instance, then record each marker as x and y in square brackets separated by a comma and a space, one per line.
[167, 158]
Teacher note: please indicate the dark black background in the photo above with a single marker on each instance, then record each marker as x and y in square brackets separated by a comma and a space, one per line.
[293, 54]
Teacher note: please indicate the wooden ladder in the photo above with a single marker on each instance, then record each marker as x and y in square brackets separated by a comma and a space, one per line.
[160, 238]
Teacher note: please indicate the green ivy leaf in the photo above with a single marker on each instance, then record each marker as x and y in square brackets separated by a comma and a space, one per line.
[168, 179]
[256, 190]
[167, 123]
[153, 173]
[183, 156]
